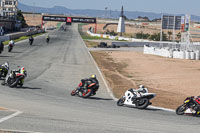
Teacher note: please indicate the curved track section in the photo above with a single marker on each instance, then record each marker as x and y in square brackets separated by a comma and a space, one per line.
[55, 69]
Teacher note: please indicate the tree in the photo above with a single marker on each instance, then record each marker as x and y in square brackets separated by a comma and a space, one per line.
[156, 37]
[169, 35]
[20, 18]
[179, 35]
[142, 35]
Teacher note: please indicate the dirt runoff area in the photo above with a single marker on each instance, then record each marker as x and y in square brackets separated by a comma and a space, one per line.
[171, 79]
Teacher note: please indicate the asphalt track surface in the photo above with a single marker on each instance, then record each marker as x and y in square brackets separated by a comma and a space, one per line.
[55, 69]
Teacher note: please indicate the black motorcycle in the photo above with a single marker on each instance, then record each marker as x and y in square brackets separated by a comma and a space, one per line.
[47, 40]
[85, 89]
[30, 42]
[1, 47]
[190, 105]
[4, 68]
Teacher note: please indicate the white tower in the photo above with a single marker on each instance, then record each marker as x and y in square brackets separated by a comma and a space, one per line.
[121, 24]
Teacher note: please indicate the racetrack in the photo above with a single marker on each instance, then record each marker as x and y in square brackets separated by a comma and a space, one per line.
[55, 69]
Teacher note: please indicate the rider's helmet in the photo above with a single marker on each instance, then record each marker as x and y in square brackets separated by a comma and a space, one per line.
[93, 76]
[12, 42]
[22, 70]
[143, 89]
[6, 65]
[141, 86]
[47, 36]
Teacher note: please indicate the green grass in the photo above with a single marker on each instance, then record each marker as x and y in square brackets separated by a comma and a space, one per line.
[88, 37]
[21, 38]
[85, 36]
[58, 25]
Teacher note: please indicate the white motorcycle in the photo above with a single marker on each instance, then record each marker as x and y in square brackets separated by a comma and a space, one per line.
[139, 98]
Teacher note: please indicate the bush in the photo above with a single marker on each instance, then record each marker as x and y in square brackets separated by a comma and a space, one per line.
[141, 35]
[112, 33]
[156, 37]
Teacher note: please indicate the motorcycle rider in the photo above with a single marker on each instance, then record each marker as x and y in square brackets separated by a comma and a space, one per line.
[31, 39]
[141, 89]
[11, 43]
[4, 67]
[197, 107]
[93, 80]
[1, 46]
[47, 38]
[89, 81]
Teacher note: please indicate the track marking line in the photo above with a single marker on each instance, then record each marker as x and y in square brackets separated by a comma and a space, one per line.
[17, 112]
[108, 89]
[3, 109]
[17, 131]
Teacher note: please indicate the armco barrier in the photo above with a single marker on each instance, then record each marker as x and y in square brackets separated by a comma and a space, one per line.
[15, 36]
[4, 38]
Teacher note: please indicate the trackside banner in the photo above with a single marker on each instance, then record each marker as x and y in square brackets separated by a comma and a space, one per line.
[69, 19]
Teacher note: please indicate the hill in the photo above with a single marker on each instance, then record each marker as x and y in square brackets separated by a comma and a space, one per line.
[93, 13]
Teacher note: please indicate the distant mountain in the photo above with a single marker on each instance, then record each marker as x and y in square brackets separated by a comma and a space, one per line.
[93, 13]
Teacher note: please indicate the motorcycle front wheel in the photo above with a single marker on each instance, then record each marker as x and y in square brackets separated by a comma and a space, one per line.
[142, 103]
[73, 93]
[181, 110]
[120, 102]
[12, 82]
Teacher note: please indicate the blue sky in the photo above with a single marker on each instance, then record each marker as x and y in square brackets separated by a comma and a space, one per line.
[157, 6]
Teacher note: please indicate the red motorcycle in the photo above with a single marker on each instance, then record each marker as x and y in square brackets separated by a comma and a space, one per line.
[85, 89]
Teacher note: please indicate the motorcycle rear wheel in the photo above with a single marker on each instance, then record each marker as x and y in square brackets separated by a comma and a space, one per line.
[181, 110]
[87, 94]
[120, 102]
[143, 103]
[9, 50]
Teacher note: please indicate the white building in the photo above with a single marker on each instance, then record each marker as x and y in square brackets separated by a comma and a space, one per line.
[8, 8]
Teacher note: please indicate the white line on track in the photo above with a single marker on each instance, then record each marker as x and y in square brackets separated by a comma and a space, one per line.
[17, 112]
[17, 131]
[109, 90]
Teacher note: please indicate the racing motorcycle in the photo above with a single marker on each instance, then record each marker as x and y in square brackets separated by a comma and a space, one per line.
[15, 78]
[85, 89]
[139, 98]
[10, 46]
[189, 106]
[4, 68]
[47, 40]
[31, 42]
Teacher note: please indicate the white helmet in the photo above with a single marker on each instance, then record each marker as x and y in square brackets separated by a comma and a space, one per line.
[141, 86]
[6, 64]
[143, 89]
